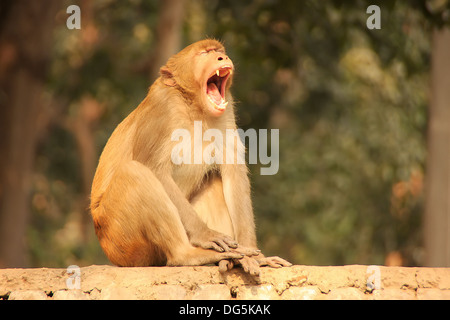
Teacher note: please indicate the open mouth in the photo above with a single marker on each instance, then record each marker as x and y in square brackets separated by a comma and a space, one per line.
[215, 87]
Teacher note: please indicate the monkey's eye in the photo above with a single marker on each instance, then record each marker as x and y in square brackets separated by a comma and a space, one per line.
[204, 52]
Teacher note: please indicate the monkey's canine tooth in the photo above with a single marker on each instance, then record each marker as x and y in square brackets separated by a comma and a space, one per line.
[218, 72]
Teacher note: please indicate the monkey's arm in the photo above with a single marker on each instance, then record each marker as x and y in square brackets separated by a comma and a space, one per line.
[236, 186]
[197, 231]
[237, 196]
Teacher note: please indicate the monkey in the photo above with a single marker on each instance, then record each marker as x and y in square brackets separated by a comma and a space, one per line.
[148, 211]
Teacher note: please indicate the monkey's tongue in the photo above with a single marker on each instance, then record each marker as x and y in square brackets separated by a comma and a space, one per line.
[213, 92]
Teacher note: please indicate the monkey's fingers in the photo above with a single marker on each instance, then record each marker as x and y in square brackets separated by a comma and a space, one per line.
[219, 240]
[247, 251]
[230, 255]
[216, 245]
[215, 241]
[223, 243]
[230, 242]
[274, 262]
[250, 266]
[225, 265]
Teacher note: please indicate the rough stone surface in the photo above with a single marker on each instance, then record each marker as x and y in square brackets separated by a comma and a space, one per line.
[302, 293]
[354, 282]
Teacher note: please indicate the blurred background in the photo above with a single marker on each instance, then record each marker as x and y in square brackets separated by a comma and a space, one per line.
[364, 120]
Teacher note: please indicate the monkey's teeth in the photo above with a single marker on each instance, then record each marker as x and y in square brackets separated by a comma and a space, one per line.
[222, 72]
[223, 104]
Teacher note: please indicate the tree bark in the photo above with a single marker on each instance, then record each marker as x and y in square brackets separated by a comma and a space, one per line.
[437, 211]
[25, 39]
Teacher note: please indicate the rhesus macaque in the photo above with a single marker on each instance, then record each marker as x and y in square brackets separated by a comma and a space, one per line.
[148, 211]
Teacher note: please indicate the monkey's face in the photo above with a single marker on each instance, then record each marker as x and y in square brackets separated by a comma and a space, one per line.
[213, 72]
[203, 72]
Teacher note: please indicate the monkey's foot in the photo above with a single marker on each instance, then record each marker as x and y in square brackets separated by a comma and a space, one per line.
[249, 252]
[251, 264]
[198, 257]
[274, 262]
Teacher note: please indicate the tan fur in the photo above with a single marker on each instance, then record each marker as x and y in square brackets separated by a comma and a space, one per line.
[149, 211]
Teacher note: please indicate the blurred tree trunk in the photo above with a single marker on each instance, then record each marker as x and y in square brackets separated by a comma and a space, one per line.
[25, 39]
[437, 211]
[82, 124]
[168, 34]
[82, 127]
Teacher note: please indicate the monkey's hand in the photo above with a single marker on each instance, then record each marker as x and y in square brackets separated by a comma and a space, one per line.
[210, 239]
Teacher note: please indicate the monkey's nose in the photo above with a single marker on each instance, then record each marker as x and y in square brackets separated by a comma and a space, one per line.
[220, 58]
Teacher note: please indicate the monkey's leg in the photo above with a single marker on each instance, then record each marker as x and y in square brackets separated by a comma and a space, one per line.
[138, 225]
[210, 206]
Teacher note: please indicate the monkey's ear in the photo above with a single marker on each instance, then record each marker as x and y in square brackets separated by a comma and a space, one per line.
[167, 76]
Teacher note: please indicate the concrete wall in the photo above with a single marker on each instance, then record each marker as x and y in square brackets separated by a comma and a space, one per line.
[297, 282]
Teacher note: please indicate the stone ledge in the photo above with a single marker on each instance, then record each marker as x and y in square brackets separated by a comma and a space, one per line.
[354, 282]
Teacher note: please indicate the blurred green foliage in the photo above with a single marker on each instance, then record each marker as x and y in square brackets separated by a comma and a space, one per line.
[350, 103]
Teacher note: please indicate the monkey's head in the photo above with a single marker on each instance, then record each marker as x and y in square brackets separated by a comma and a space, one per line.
[203, 72]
